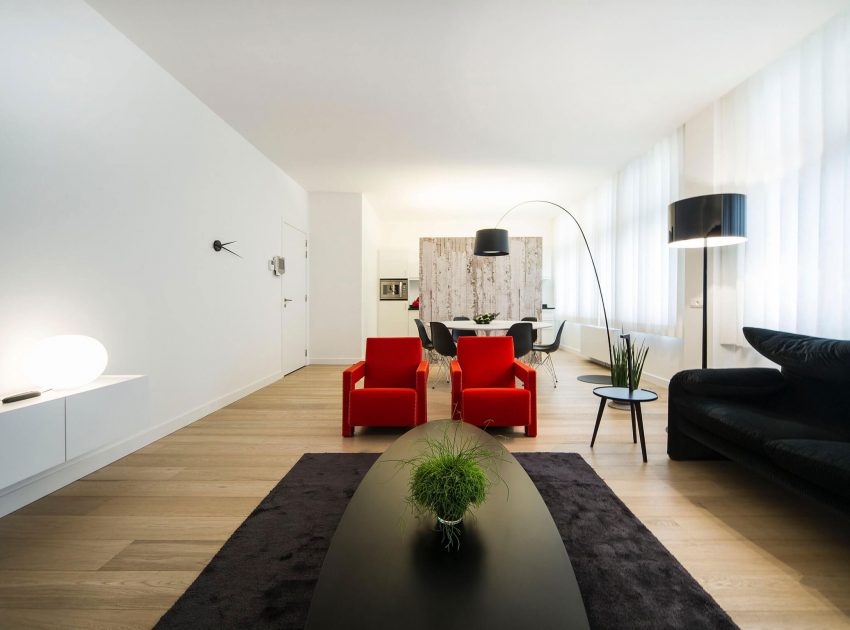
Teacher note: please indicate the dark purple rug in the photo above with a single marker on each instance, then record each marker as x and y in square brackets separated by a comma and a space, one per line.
[264, 575]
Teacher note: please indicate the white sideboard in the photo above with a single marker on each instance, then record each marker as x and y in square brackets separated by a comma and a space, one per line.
[50, 441]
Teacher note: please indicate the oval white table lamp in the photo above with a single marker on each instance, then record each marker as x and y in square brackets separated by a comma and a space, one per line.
[66, 361]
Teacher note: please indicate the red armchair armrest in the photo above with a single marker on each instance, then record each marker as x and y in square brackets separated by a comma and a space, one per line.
[350, 376]
[457, 389]
[422, 392]
[528, 376]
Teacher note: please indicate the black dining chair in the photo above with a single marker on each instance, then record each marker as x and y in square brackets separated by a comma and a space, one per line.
[548, 349]
[521, 332]
[533, 332]
[427, 344]
[457, 334]
[444, 346]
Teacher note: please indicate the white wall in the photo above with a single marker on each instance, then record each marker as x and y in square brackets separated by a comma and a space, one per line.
[371, 243]
[337, 312]
[114, 181]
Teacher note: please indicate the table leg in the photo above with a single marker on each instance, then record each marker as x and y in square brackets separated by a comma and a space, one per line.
[640, 429]
[602, 401]
[634, 434]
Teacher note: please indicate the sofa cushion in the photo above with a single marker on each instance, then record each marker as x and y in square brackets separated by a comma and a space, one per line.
[732, 382]
[810, 357]
[744, 424]
[824, 463]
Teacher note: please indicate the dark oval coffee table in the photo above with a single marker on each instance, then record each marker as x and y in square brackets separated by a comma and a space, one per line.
[633, 398]
[387, 569]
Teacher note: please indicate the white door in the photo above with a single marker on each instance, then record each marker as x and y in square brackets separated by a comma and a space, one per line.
[294, 299]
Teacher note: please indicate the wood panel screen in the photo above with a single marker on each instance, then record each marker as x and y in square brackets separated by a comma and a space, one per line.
[453, 281]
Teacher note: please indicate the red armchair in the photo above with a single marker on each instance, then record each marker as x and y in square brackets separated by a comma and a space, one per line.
[394, 392]
[484, 391]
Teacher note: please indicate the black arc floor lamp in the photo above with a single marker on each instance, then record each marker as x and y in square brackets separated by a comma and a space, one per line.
[495, 242]
[707, 221]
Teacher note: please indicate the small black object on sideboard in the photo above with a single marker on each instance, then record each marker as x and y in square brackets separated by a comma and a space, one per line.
[792, 426]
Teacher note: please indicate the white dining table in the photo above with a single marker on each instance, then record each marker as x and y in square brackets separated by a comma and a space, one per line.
[495, 325]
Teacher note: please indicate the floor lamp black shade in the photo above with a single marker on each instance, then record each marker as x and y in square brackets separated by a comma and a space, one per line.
[707, 221]
[492, 242]
[495, 242]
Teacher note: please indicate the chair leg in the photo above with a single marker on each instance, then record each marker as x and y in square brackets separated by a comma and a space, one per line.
[640, 429]
[550, 367]
[598, 420]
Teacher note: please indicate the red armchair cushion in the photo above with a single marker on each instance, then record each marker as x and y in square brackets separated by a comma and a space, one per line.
[486, 361]
[392, 361]
[498, 407]
[383, 406]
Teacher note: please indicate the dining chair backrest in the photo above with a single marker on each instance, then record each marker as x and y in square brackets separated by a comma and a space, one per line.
[486, 361]
[533, 332]
[557, 343]
[423, 334]
[392, 361]
[457, 334]
[521, 333]
[443, 342]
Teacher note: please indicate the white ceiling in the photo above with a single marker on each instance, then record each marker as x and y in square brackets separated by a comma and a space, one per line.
[448, 106]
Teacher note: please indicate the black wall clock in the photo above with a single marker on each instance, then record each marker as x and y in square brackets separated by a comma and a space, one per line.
[218, 246]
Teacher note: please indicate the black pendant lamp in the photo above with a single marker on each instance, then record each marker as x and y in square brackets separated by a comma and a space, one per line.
[707, 221]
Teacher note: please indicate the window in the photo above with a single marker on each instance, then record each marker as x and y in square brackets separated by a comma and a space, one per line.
[625, 220]
[782, 139]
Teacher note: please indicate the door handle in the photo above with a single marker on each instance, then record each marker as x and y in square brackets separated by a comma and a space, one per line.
[285, 300]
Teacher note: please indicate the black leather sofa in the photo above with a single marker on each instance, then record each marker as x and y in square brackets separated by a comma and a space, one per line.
[792, 426]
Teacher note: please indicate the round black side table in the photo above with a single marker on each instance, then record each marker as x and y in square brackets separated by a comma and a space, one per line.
[633, 398]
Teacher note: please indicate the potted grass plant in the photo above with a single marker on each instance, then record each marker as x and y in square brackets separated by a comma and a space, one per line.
[620, 366]
[448, 479]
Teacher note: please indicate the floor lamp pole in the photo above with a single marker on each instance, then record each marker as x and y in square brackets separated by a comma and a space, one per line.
[592, 263]
[704, 307]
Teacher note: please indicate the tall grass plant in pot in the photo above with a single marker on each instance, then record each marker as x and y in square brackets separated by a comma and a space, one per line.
[620, 367]
[448, 479]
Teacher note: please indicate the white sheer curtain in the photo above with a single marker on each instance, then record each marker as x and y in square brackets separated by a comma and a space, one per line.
[576, 292]
[782, 138]
[645, 268]
[625, 220]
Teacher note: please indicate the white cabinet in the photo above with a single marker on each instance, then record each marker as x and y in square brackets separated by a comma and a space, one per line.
[412, 330]
[392, 263]
[60, 436]
[33, 439]
[104, 415]
[392, 318]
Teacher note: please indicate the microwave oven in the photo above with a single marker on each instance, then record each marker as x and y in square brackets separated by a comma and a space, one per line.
[393, 289]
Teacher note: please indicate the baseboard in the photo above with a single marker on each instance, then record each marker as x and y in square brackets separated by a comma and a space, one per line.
[334, 361]
[42, 484]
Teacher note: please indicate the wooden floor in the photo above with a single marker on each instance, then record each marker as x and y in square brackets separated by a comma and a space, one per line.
[117, 548]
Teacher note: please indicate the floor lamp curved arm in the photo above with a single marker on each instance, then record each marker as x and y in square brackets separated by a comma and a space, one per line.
[494, 242]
